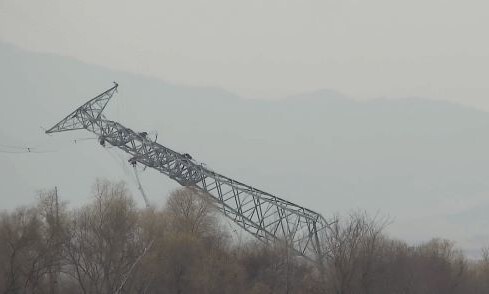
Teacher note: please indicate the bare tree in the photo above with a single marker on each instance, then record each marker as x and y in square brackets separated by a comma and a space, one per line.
[30, 246]
[104, 247]
[105, 239]
[191, 211]
[352, 247]
[55, 222]
[440, 267]
[20, 233]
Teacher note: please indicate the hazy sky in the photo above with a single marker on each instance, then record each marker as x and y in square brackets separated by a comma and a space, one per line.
[267, 49]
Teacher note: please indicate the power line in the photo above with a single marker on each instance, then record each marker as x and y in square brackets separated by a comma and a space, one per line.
[25, 151]
[17, 149]
[13, 147]
[83, 139]
[140, 187]
[13, 152]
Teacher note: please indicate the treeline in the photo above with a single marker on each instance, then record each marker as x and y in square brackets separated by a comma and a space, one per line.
[111, 246]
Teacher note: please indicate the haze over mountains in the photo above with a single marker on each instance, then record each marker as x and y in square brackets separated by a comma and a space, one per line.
[423, 163]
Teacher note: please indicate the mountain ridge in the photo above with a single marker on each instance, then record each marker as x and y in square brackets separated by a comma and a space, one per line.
[412, 158]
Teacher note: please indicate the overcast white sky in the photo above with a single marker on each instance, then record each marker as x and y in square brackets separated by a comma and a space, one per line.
[267, 49]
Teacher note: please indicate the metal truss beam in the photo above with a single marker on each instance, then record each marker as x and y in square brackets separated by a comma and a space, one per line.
[265, 216]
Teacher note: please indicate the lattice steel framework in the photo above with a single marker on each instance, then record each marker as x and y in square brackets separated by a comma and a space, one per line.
[265, 216]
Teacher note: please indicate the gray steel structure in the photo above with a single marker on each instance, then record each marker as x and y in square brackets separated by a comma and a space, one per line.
[265, 216]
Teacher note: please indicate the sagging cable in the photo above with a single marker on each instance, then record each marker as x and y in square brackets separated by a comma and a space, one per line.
[140, 187]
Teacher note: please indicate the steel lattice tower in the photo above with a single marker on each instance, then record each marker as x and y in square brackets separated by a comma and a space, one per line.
[265, 216]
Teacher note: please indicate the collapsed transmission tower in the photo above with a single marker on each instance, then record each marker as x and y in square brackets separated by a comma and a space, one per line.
[265, 216]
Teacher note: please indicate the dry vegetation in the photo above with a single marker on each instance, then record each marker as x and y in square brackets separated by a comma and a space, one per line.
[110, 246]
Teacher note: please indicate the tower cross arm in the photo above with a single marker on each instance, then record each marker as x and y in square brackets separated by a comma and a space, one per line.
[86, 114]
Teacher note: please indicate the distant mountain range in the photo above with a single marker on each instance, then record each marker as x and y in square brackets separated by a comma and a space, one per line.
[424, 163]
